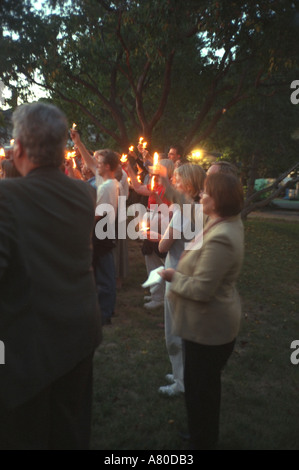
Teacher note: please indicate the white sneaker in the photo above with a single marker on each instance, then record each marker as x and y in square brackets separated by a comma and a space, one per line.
[147, 298]
[169, 378]
[169, 390]
[154, 304]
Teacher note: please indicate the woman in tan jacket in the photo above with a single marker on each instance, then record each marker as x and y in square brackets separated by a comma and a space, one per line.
[207, 309]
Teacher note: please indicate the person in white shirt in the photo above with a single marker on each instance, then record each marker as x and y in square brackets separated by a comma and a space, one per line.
[104, 165]
[107, 204]
[188, 181]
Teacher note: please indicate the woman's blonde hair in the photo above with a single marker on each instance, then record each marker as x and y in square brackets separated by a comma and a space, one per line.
[193, 177]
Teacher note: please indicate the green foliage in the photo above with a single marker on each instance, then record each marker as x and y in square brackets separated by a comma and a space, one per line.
[171, 71]
[262, 126]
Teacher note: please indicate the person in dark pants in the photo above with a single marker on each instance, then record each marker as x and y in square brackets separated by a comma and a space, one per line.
[207, 308]
[50, 321]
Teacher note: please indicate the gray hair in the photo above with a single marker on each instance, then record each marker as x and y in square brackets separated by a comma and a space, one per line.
[42, 130]
[169, 165]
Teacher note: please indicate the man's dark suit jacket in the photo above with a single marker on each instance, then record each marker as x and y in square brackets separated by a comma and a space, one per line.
[49, 315]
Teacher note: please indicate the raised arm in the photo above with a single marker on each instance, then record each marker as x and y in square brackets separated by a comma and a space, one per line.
[138, 187]
[88, 159]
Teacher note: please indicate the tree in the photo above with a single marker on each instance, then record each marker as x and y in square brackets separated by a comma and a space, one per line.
[129, 68]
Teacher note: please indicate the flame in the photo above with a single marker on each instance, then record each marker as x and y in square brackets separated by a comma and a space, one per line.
[12, 141]
[156, 159]
[144, 227]
[2, 152]
[144, 145]
[131, 148]
[152, 183]
[140, 140]
[74, 126]
[129, 180]
[139, 179]
[71, 156]
[124, 158]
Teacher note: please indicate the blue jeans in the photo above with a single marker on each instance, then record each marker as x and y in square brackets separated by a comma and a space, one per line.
[106, 284]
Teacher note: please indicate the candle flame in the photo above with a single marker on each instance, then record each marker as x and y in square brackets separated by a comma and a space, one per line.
[144, 226]
[152, 183]
[124, 158]
[74, 126]
[12, 141]
[139, 179]
[2, 152]
[156, 159]
[71, 156]
[131, 148]
[140, 140]
[144, 145]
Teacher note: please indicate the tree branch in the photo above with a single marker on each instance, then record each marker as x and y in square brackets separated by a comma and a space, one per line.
[166, 90]
[129, 75]
[272, 186]
[74, 101]
[138, 96]
[258, 205]
[189, 139]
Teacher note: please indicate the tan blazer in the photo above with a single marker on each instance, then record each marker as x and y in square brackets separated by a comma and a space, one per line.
[207, 307]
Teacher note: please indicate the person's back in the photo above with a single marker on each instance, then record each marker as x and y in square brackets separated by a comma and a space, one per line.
[49, 315]
[50, 240]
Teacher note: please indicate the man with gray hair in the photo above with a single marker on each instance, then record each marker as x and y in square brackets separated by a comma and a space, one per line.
[223, 166]
[50, 322]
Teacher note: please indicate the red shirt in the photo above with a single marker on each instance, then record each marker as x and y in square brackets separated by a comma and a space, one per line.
[160, 190]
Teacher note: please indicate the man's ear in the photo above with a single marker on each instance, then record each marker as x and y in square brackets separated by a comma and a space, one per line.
[18, 149]
[18, 154]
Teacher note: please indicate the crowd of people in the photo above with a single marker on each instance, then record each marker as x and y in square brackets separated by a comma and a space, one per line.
[59, 276]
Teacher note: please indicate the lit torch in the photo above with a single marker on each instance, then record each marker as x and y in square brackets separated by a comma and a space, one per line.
[144, 144]
[124, 158]
[140, 140]
[131, 148]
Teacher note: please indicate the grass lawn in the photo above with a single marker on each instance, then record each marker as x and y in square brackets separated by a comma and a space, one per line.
[260, 406]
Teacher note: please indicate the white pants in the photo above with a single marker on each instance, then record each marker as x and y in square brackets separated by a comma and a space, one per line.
[174, 344]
